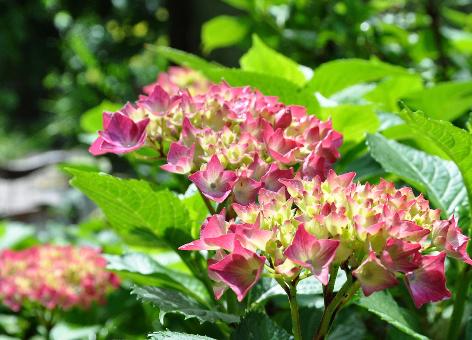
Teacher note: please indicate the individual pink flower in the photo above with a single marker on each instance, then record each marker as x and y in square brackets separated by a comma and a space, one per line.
[401, 256]
[428, 283]
[448, 236]
[214, 182]
[120, 134]
[213, 235]
[240, 270]
[245, 189]
[179, 158]
[309, 252]
[373, 275]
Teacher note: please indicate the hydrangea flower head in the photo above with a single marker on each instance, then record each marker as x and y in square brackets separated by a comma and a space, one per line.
[378, 233]
[54, 277]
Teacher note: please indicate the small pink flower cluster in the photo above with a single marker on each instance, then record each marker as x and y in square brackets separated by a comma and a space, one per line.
[247, 131]
[377, 232]
[54, 277]
[178, 78]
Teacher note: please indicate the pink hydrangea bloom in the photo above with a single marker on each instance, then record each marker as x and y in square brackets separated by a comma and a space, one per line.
[256, 136]
[54, 277]
[378, 233]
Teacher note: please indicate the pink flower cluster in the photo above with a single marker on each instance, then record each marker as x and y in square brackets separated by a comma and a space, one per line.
[247, 131]
[54, 277]
[178, 78]
[378, 233]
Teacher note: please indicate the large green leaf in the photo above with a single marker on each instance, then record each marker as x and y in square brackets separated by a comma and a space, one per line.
[438, 178]
[383, 305]
[135, 209]
[168, 335]
[453, 141]
[333, 76]
[446, 101]
[144, 270]
[171, 301]
[262, 59]
[223, 31]
[259, 326]
[184, 58]
[353, 121]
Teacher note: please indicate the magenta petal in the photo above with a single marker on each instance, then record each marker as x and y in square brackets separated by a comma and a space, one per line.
[309, 252]
[273, 175]
[240, 270]
[447, 235]
[373, 275]
[194, 245]
[179, 158]
[245, 189]
[428, 283]
[96, 147]
[401, 256]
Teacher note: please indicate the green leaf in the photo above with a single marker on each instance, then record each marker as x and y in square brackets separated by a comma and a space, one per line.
[144, 270]
[171, 301]
[453, 141]
[439, 178]
[353, 121]
[387, 93]
[185, 59]
[91, 120]
[333, 76]
[262, 59]
[168, 335]
[383, 305]
[135, 209]
[256, 325]
[445, 101]
[223, 31]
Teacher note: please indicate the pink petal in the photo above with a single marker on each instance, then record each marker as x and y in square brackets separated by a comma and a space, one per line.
[428, 283]
[309, 252]
[373, 275]
[401, 256]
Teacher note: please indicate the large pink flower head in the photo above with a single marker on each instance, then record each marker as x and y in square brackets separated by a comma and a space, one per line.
[257, 137]
[378, 233]
[54, 277]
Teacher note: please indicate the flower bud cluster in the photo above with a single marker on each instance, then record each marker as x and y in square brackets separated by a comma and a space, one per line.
[378, 233]
[54, 277]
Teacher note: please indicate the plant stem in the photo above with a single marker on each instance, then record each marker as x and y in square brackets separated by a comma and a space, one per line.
[207, 203]
[462, 288]
[347, 291]
[292, 299]
[328, 289]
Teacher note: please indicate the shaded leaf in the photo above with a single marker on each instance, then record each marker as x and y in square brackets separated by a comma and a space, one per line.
[383, 305]
[258, 326]
[171, 301]
[168, 335]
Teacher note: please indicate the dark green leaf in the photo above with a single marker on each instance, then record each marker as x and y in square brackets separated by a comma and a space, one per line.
[383, 305]
[171, 301]
[168, 335]
[258, 326]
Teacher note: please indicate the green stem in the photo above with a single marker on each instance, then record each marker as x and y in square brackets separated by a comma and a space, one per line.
[207, 203]
[462, 288]
[349, 288]
[328, 289]
[292, 299]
